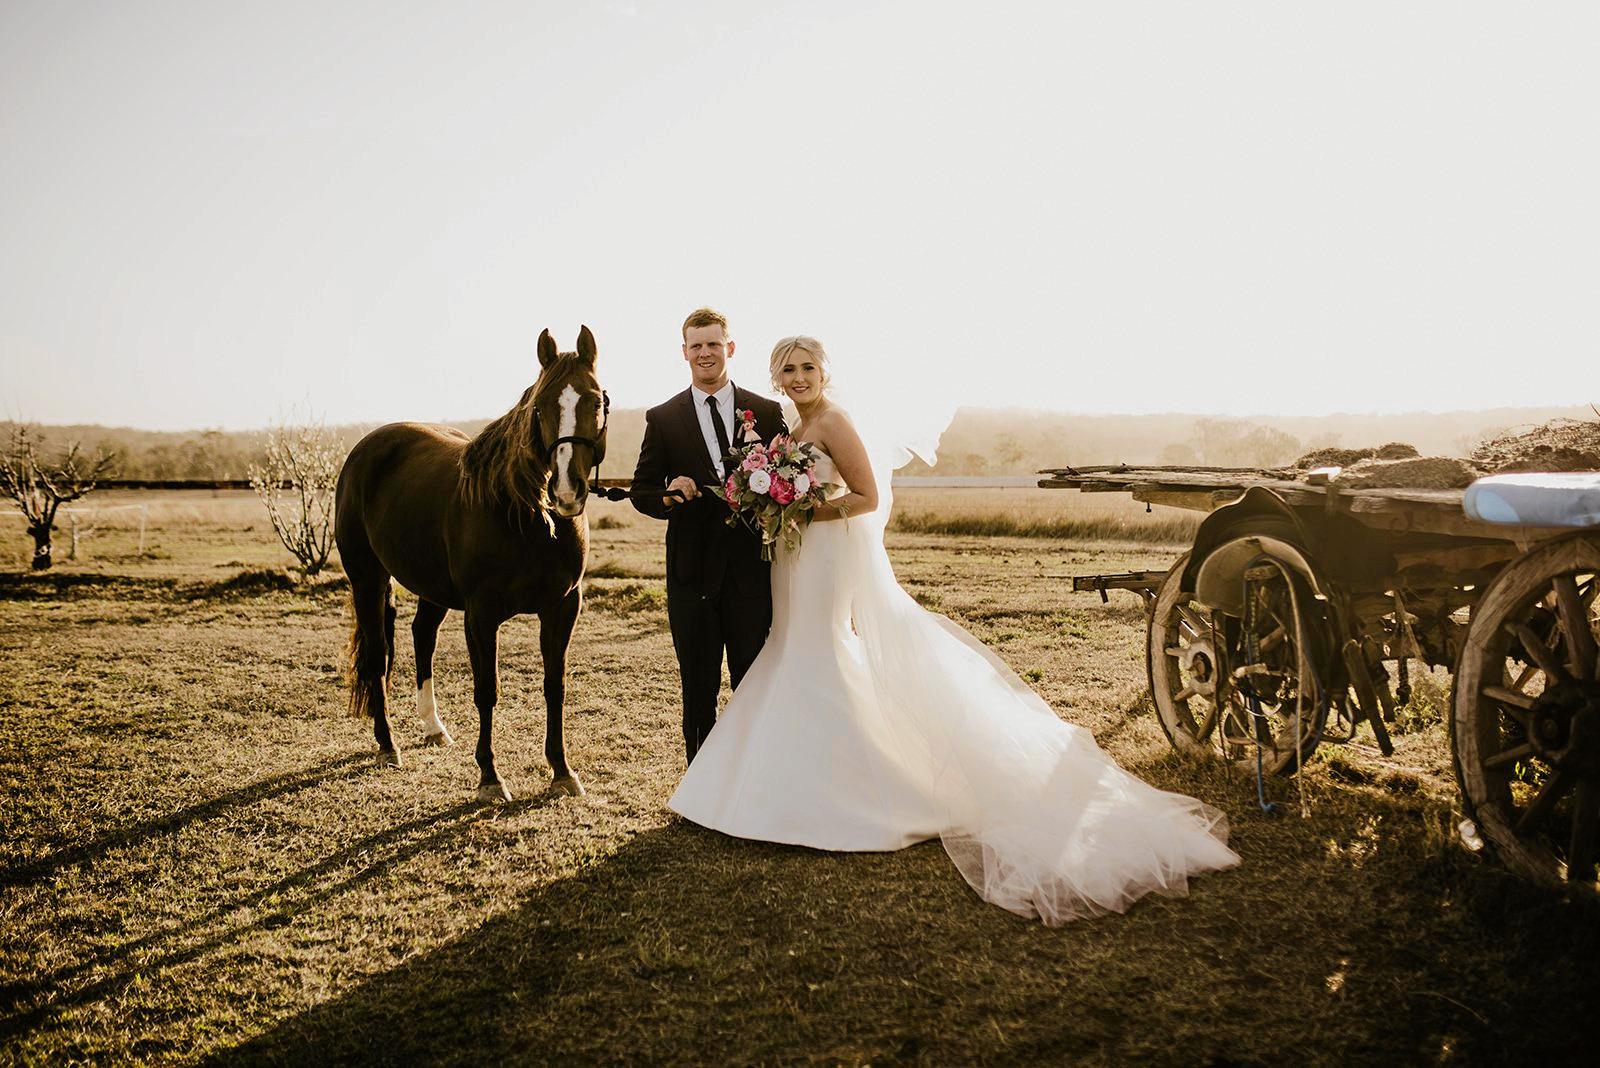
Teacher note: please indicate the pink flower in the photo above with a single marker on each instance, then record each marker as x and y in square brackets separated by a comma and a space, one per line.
[782, 490]
[732, 489]
[756, 459]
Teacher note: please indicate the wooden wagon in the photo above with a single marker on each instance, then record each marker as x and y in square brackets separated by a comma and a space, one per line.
[1294, 616]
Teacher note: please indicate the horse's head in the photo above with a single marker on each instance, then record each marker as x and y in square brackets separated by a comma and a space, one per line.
[570, 425]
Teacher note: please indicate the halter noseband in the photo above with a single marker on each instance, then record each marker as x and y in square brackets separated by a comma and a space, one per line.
[578, 439]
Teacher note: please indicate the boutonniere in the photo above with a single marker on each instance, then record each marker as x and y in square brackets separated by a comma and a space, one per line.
[747, 427]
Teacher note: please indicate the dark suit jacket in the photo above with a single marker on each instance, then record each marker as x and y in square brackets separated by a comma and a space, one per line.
[703, 552]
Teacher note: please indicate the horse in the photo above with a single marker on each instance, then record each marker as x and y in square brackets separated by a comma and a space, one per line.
[492, 526]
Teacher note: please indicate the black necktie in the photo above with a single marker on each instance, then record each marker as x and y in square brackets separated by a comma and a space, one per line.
[720, 430]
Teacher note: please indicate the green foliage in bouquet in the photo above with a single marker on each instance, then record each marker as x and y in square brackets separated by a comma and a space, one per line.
[773, 489]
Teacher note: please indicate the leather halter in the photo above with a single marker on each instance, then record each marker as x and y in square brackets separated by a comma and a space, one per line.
[577, 439]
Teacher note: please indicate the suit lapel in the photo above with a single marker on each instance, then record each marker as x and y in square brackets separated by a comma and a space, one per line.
[695, 440]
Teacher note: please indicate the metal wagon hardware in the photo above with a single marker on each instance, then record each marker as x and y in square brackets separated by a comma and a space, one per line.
[1294, 616]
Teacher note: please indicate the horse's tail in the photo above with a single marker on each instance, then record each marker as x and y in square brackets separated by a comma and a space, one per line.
[370, 658]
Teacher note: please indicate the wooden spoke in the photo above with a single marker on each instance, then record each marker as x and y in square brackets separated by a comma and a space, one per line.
[1521, 681]
[1510, 756]
[1575, 622]
[1191, 617]
[1184, 694]
[1544, 801]
[1539, 651]
[1208, 724]
[1278, 620]
[1173, 650]
[1272, 639]
[1518, 704]
[1581, 847]
[1186, 628]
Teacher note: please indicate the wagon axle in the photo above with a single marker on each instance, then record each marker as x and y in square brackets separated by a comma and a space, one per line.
[1564, 727]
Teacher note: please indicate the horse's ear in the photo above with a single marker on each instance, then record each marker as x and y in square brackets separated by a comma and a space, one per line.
[547, 349]
[586, 347]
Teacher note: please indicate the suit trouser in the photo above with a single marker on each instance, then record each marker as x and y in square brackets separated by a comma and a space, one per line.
[702, 629]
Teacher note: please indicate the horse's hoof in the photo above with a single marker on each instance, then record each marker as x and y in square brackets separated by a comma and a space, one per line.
[569, 785]
[494, 792]
[441, 738]
[387, 758]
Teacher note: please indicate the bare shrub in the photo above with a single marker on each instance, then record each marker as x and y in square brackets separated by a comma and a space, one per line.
[39, 488]
[296, 483]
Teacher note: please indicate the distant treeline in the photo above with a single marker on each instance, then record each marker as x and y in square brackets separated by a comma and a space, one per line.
[979, 441]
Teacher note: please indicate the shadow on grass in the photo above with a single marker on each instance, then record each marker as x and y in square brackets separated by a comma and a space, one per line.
[377, 855]
[77, 585]
[246, 584]
[684, 946]
[34, 870]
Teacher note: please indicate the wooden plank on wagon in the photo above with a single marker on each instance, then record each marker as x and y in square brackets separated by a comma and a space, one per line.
[1193, 500]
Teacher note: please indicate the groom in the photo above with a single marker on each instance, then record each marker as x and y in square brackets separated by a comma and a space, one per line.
[719, 596]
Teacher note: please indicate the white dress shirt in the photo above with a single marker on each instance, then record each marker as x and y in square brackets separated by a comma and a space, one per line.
[725, 406]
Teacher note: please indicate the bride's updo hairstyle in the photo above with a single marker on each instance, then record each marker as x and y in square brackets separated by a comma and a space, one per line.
[784, 351]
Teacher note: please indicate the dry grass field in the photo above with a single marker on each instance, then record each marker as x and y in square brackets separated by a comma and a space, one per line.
[1039, 513]
[201, 863]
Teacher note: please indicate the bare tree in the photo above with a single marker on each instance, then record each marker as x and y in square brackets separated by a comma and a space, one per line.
[39, 488]
[296, 483]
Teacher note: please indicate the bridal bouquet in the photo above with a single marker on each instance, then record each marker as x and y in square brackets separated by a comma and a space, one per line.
[772, 488]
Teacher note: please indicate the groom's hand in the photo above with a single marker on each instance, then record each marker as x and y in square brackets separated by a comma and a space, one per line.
[684, 485]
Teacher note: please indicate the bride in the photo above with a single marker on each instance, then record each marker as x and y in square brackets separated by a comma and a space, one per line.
[869, 723]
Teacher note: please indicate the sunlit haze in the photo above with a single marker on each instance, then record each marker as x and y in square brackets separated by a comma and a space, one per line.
[216, 212]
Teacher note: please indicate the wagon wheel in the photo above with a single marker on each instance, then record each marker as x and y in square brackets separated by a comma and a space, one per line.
[1182, 662]
[1181, 665]
[1526, 722]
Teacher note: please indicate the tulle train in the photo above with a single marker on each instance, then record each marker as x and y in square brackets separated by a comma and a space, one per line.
[868, 722]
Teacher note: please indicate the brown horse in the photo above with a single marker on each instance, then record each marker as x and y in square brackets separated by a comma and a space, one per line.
[492, 526]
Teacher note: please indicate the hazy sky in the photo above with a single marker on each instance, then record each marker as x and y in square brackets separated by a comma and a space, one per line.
[213, 212]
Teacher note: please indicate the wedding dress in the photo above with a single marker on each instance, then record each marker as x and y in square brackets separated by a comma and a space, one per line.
[869, 723]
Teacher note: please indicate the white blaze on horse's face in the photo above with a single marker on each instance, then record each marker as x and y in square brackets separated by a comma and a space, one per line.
[566, 494]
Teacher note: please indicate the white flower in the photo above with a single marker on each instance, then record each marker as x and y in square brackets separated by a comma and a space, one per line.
[802, 483]
[760, 481]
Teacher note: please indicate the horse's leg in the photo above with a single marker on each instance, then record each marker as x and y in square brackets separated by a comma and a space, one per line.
[482, 634]
[555, 634]
[424, 636]
[372, 655]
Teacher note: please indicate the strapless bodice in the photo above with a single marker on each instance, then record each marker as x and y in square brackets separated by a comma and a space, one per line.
[826, 471]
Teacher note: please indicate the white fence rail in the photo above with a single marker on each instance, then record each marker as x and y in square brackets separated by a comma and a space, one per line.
[81, 523]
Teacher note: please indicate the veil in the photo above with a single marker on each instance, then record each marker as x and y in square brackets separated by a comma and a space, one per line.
[1038, 819]
[895, 424]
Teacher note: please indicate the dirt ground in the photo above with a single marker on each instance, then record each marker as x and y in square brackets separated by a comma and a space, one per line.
[201, 863]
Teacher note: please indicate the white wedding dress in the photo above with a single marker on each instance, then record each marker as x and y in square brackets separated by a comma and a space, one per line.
[869, 723]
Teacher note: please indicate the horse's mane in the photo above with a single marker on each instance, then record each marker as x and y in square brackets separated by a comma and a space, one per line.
[503, 465]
